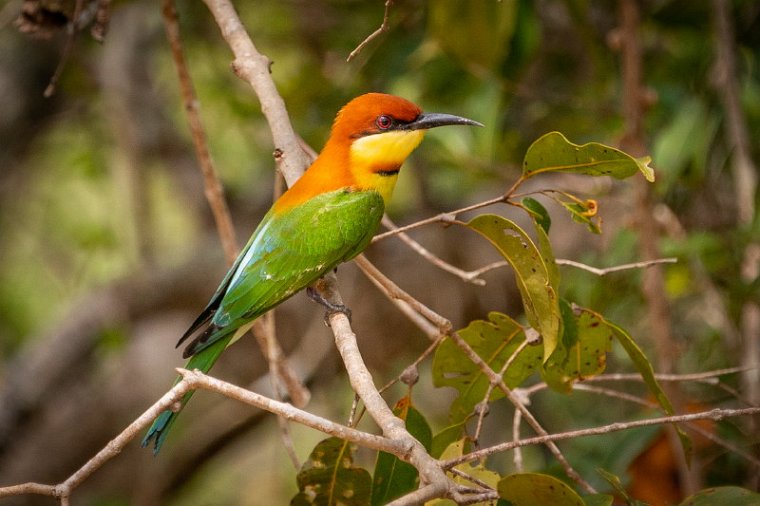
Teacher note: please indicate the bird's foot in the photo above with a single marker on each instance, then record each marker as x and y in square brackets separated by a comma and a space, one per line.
[331, 308]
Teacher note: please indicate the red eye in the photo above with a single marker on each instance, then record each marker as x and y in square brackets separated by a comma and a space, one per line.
[384, 122]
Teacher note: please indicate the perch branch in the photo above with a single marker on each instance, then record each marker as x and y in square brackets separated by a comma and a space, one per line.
[444, 327]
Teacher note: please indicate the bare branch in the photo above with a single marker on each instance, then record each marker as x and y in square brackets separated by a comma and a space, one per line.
[361, 382]
[439, 218]
[383, 28]
[214, 192]
[254, 68]
[430, 257]
[197, 380]
[715, 414]
[445, 327]
[617, 268]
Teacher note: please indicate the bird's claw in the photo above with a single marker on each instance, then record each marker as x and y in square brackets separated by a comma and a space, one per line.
[331, 308]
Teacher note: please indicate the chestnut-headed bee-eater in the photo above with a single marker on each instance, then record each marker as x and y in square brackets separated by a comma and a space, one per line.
[327, 217]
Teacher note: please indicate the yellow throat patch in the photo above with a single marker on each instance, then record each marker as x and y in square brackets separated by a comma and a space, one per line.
[376, 159]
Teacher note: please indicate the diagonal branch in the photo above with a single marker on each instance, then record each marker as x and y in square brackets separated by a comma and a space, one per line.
[444, 327]
[254, 68]
[383, 28]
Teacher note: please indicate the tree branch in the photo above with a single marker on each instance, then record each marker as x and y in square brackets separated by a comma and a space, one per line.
[254, 68]
[715, 414]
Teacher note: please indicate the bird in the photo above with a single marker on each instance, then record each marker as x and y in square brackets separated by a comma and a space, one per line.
[327, 217]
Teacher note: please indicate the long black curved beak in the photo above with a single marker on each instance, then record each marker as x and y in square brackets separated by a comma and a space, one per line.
[434, 119]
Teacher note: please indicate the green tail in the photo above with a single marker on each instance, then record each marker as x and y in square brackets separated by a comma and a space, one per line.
[203, 361]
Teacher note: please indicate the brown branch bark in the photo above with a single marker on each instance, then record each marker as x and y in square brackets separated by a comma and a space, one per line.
[254, 68]
[212, 186]
[653, 281]
[745, 178]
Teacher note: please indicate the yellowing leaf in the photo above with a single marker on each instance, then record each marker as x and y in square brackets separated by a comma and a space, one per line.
[583, 353]
[534, 279]
[479, 472]
[531, 489]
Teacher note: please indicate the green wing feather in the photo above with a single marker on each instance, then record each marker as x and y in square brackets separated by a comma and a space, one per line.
[288, 251]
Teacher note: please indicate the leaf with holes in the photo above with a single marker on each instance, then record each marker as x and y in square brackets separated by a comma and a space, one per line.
[393, 477]
[554, 153]
[586, 341]
[329, 477]
[534, 278]
[495, 341]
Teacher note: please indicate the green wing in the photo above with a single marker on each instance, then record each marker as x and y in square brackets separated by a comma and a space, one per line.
[288, 252]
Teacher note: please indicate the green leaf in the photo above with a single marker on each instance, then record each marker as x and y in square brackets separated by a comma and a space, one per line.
[554, 153]
[530, 489]
[644, 367]
[585, 343]
[478, 472]
[538, 213]
[735, 496]
[542, 222]
[495, 341]
[531, 272]
[394, 477]
[329, 477]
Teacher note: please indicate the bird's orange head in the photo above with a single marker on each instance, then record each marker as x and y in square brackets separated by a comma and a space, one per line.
[371, 137]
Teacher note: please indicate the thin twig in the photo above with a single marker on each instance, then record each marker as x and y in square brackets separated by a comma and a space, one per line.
[472, 479]
[706, 376]
[72, 30]
[430, 257]
[715, 414]
[518, 404]
[383, 28]
[607, 270]
[198, 380]
[517, 458]
[652, 405]
[483, 411]
[439, 218]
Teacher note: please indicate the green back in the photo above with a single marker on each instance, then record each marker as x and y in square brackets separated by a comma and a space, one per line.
[291, 250]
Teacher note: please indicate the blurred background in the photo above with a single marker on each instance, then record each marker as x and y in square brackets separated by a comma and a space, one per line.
[108, 250]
